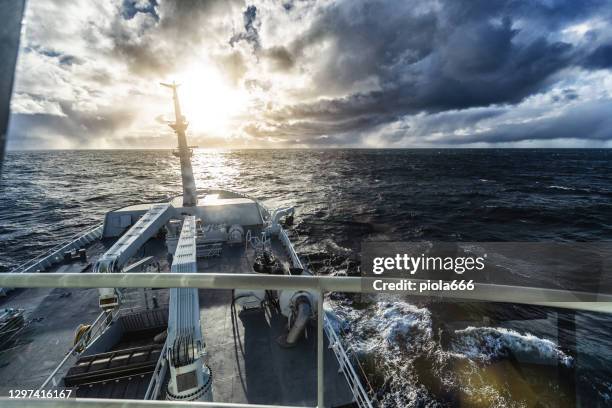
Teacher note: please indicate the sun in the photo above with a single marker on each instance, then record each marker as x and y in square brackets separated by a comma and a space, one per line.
[210, 104]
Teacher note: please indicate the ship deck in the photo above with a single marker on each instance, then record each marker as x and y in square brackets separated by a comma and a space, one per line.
[249, 366]
[53, 316]
[247, 363]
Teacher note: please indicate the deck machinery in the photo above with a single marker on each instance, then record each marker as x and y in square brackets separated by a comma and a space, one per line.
[170, 343]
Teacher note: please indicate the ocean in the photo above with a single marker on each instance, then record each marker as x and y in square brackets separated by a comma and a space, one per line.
[415, 352]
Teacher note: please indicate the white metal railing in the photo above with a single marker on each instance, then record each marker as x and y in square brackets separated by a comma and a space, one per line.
[289, 248]
[352, 378]
[56, 253]
[95, 330]
[159, 373]
[322, 284]
[258, 244]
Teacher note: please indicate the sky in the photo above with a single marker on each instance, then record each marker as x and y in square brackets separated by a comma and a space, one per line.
[347, 73]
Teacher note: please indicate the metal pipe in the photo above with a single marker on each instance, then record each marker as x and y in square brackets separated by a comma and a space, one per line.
[482, 292]
[320, 367]
[109, 403]
[304, 312]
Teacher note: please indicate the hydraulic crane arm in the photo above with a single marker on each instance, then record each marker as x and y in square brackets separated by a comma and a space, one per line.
[190, 378]
[127, 246]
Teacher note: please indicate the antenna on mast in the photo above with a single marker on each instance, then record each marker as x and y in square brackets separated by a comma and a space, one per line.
[190, 196]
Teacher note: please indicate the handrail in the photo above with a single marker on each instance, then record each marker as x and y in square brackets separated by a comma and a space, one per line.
[120, 403]
[322, 284]
[287, 243]
[482, 292]
[346, 366]
[158, 374]
[89, 336]
[95, 232]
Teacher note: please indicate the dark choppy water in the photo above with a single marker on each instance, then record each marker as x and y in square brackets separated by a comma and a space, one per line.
[415, 356]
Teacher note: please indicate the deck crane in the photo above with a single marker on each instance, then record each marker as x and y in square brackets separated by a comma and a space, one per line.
[190, 378]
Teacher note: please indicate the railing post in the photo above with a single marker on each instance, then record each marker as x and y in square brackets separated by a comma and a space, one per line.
[320, 368]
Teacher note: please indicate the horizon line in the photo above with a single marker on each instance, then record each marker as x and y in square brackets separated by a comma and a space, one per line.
[10, 150]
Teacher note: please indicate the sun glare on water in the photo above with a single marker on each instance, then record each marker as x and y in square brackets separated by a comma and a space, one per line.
[209, 102]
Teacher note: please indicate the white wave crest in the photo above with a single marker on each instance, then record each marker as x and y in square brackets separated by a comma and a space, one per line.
[387, 325]
[561, 188]
[488, 343]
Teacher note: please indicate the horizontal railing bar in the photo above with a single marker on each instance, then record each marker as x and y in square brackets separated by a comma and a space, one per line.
[109, 403]
[482, 292]
[174, 280]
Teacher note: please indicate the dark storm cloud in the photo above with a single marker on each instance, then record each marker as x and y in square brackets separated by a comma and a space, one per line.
[310, 129]
[250, 33]
[63, 59]
[368, 39]
[600, 58]
[141, 55]
[460, 57]
[591, 120]
[463, 55]
[281, 58]
[132, 7]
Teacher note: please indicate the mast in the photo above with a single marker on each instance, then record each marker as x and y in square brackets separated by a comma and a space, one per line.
[190, 196]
